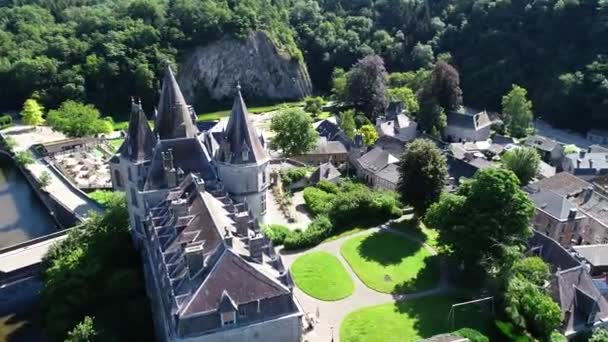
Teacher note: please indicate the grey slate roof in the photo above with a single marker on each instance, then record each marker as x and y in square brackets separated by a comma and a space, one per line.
[189, 155]
[594, 160]
[593, 204]
[140, 141]
[551, 252]
[596, 255]
[554, 204]
[469, 119]
[578, 298]
[562, 183]
[598, 149]
[174, 118]
[327, 129]
[376, 159]
[325, 171]
[390, 173]
[240, 138]
[328, 147]
[542, 143]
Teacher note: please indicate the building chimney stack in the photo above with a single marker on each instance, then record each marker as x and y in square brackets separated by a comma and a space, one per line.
[195, 257]
[169, 169]
[572, 214]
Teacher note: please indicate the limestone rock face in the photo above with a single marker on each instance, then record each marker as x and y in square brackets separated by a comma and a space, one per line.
[264, 71]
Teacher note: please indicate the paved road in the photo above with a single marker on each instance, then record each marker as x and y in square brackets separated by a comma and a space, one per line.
[331, 314]
[561, 135]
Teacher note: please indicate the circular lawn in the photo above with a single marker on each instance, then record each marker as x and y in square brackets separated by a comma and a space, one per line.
[322, 276]
[390, 263]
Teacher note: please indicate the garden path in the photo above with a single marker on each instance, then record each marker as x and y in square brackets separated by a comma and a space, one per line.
[331, 314]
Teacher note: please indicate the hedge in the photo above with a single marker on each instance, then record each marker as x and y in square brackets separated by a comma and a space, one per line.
[319, 229]
[472, 334]
[293, 175]
[276, 233]
[5, 121]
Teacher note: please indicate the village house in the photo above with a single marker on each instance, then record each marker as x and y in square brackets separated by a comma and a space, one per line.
[596, 256]
[467, 124]
[378, 168]
[586, 165]
[325, 151]
[395, 123]
[550, 150]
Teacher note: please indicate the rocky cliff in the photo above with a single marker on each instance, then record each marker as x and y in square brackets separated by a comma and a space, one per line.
[264, 71]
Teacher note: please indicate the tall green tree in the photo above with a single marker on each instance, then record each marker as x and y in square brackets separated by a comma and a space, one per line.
[431, 117]
[366, 86]
[369, 133]
[486, 217]
[445, 86]
[517, 111]
[77, 119]
[83, 331]
[313, 105]
[599, 335]
[523, 161]
[347, 123]
[294, 133]
[423, 172]
[407, 96]
[32, 113]
[339, 80]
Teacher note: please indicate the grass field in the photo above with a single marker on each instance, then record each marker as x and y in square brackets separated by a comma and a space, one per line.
[322, 276]
[418, 229]
[413, 320]
[216, 115]
[389, 263]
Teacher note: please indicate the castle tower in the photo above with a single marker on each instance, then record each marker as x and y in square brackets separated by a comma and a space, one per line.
[129, 166]
[174, 117]
[242, 161]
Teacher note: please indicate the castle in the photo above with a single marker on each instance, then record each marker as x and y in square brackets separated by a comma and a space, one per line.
[195, 202]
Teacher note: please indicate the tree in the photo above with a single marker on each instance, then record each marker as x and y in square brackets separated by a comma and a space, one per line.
[44, 180]
[422, 55]
[517, 111]
[599, 335]
[530, 308]
[422, 175]
[431, 117]
[484, 220]
[347, 123]
[32, 113]
[369, 133]
[366, 86]
[339, 79]
[96, 272]
[524, 161]
[83, 331]
[533, 269]
[76, 119]
[445, 86]
[294, 133]
[314, 105]
[407, 96]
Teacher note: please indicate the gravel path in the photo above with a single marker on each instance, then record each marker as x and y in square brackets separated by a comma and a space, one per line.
[331, 314]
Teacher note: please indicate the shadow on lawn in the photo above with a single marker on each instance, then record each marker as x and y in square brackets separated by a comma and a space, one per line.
[387, 249]
[410, 227]
[426, 279]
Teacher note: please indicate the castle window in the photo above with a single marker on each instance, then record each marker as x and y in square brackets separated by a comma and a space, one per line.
[264, 177]
[117, 179]
[133, 197]
[129, 174]
[228, 318]
[263, 204]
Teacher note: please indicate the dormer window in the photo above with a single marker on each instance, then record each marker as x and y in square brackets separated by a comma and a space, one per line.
[228, 318]
[245, 155]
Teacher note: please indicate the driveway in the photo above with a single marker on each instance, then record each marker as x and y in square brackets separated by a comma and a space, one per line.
[331, 314]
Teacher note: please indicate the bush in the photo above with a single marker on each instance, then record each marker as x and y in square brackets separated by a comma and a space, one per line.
[24, 158]
[293, 175]
[5, 121]
[328, 186]
[276, 233]
[319, 229]
[472, 334]
[9, 143]
[318, 201]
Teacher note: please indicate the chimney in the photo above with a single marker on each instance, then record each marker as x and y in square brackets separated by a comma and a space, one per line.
[379, 120]
[256, 247]
[200, 184]
[228, 237]
[180, 207]
[578, 163]
[241, 220]
[195, 257]
[572, 214]
[587, 193]
[591, 163]
[169, 169]
[581, 154]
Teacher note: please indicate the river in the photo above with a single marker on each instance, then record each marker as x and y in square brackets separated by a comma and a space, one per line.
[22, 214]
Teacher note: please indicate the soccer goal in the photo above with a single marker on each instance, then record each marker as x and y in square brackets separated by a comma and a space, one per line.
[464, 311]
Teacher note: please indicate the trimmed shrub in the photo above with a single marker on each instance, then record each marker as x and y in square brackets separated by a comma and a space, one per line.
[24, 158]
[328, 187]
[276, 233]
[293, 175]
[472, 334]
[5, 121]
[318, 201]
[319, 229]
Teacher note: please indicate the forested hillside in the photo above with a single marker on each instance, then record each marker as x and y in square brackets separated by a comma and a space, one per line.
[104, 51]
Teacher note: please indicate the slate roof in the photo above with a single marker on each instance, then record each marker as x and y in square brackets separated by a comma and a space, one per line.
[578, 298]
[563, 183]
[140, 141]
[174, 119]
[554, 204]
[594, 160]
[325, 171]
[598, 149]
[542, 143]
[596, 255]
[469, 119]
[326, 128]
[328, 147]
[457, 170]
[390, 173]
[551, 252]
[394, 108]
[593, 204]
[391, 144]
[376, 159]
[240, 136]
[189, 155]
[502, 140]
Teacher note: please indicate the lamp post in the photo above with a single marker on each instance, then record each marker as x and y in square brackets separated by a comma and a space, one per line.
[332, 333]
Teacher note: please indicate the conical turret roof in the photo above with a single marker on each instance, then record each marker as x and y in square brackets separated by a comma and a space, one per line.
[173, 119]
[243, 141]
[140, 141]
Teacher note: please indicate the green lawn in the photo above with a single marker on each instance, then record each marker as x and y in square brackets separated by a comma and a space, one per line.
[418, 229]
[253, 110]
[413, 320]
[321, 275]
[345, 233]
[390, 263]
